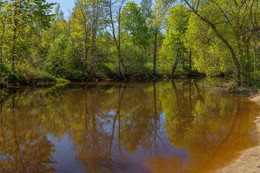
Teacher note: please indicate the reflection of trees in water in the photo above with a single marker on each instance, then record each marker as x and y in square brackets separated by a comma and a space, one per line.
[22, 147]
[206, 125]
[108, 123]
[122, 129]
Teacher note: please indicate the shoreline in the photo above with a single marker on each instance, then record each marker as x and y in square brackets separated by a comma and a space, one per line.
[249, 160]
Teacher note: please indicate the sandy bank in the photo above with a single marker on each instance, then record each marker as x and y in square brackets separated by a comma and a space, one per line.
[249, 161]
[256, 99]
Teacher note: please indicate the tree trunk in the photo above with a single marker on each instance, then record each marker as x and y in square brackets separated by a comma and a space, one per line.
[119, 44]
[123, 65]
[119, 64]
[249, 67]
[155, 50]
[190, 99]
[176, 62]
[13, 51]
[183, 62]
[86, 52]
[190, 62]
[94, 32]
[1, 48]
[1, 58]
[255, 59]
[93, 50]
[14, 44]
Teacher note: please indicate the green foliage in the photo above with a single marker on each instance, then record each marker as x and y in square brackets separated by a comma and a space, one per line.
[210, 55]
[173, 45]
[26, 74]
[216, 38]
[222, 35]
[61, 59]
[133, 22]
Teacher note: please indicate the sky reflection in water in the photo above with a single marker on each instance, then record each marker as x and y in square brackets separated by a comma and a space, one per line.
[169, 126]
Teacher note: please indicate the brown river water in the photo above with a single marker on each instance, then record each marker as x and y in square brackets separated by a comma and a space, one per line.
[164, 127]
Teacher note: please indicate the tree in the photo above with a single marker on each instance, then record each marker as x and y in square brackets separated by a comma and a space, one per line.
[155, 22]
[146, 8]
[176, 26]
[3, 19]
[88, 18]
[236, 19]
[117, 42]
[81, 18]
[61, 59]
[133, 22]
[34, 13]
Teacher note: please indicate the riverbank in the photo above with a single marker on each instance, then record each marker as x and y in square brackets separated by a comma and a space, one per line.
[249, 161]
[42, 78]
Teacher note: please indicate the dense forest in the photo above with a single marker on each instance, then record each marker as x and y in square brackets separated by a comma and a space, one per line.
[123, 40]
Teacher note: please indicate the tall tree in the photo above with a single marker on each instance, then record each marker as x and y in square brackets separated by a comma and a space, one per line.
[133, 22]
[241, 18]
[81, 18]
[100, 20]
[156, 20]
[35, 13]
[3, 19]
[176, 27]
[146, 8]
[88, 18]
[117, 41]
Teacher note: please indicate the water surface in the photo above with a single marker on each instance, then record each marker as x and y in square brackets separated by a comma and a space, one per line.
[169, 126]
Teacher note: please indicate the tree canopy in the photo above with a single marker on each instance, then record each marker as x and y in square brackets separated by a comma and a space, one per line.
[121, 40]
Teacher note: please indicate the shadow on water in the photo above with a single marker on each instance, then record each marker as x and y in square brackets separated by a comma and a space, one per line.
[169, 126]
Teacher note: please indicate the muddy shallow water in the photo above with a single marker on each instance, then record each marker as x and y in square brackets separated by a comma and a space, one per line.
[169, 126]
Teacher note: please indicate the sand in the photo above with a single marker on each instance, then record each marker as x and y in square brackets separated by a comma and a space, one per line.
[249, 161]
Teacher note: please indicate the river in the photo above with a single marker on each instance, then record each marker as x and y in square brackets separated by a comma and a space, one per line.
[168, 126]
